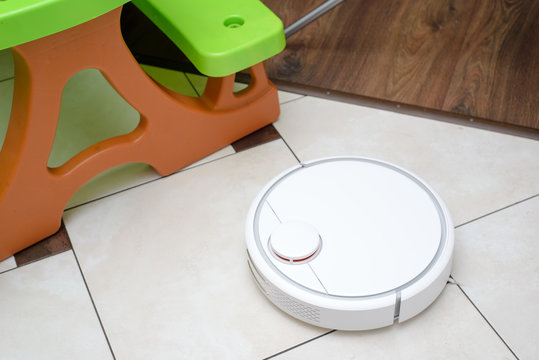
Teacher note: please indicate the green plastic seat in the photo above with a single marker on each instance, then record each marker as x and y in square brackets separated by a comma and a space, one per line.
[220, 37]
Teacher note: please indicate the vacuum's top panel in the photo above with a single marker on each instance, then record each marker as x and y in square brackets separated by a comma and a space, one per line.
[349, 227]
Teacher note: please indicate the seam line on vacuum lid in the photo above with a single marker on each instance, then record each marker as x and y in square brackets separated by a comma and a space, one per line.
[273, 211]
[317, 278]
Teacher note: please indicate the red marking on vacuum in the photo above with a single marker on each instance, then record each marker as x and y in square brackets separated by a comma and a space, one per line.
[294, 261]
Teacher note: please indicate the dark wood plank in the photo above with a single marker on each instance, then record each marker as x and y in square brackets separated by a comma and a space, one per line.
[394, 50]
[54, 244]
[497, 73]
[474, 58]
[266, 134]
[292, 10]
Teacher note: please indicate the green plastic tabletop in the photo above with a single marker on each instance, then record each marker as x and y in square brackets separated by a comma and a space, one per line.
[26, 20]
[220, 37]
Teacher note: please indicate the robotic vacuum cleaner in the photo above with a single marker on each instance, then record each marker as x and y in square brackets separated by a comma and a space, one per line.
[349, 243]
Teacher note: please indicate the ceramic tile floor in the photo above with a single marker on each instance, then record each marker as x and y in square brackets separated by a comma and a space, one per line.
[157, 266]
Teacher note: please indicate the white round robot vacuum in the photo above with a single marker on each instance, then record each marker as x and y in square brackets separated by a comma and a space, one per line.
[349, 243]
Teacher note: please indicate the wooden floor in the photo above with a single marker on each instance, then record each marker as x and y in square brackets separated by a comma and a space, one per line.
[474, 57]
[469, 57]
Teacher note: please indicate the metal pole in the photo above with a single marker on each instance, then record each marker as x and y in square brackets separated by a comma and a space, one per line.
[310, 17]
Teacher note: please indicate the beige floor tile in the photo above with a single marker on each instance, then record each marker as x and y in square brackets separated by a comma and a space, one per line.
[450, 328]
[496, 264]
[6, 64]
[46, 313]
[7, 264]
[285, 96]
[112, 181]
[474, 171]
[227, 150]
[127, 176]
[166, 264]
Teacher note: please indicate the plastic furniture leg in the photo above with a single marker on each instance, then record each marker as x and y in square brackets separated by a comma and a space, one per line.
[174, 130]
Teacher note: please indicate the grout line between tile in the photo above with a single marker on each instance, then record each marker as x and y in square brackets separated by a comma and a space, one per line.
[93, 303]
[8, 270]
[292, 100]
[411, 110]
[288, 146]
[298, 345]
[163, 177]
[33, 261]
[486, 320]
[41, 258]
[6, 79]
[496, 211]
[145, 183]
[111, 194]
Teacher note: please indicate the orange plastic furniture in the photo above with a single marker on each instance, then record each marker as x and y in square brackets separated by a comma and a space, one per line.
[174, 130]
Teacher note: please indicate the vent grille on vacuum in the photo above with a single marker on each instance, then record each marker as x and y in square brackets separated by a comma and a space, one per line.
[284, 301]
[291, 306]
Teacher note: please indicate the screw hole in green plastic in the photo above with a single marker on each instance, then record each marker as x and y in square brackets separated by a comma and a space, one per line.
[234, 22]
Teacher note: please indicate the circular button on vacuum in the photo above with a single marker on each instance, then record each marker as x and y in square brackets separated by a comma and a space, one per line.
[295, 241]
